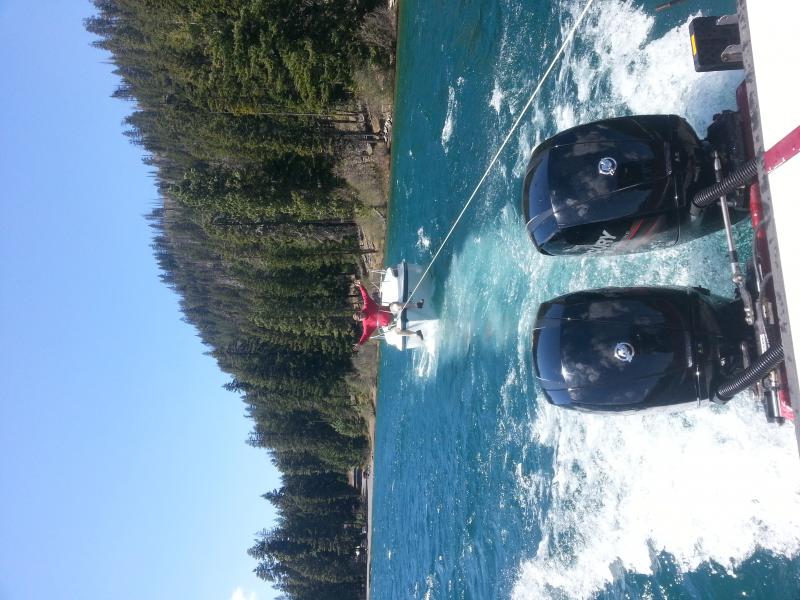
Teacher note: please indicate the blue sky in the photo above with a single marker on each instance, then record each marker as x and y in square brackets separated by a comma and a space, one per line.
[123, 467]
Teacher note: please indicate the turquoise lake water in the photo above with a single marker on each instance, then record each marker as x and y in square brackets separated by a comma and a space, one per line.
[481, 489]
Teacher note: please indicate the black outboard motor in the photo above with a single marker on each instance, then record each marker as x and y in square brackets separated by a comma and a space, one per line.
[625, 185]
[627, 349]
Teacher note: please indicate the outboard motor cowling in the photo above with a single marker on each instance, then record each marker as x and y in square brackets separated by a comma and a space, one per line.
[626, 349]
[617, 186]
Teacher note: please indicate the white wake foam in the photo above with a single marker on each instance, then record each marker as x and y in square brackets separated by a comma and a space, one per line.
[617, 68]
[423, 240]
[450, 119]
[702, 485]
[425, 357]
[496, 100]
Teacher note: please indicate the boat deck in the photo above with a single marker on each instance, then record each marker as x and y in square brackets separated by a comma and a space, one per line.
[771, 53]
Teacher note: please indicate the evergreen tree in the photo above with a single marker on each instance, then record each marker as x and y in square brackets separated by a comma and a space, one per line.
[238, 108]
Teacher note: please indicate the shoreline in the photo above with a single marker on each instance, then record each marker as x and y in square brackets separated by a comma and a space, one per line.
[394, 7]
[373, 227]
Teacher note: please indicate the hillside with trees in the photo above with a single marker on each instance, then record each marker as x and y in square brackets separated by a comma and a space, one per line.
[251, 116]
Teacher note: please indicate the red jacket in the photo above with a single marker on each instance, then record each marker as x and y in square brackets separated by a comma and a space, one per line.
[376, 316]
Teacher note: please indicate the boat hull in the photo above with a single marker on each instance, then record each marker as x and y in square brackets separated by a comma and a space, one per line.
[397, 284]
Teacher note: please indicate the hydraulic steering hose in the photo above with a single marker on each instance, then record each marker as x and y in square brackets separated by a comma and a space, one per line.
[755, 372]
[711, 194]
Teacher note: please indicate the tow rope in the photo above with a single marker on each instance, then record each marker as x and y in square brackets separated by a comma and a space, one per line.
[535, 93]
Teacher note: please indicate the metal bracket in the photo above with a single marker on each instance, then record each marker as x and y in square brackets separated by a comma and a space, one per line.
[729, 20]
[732, 54]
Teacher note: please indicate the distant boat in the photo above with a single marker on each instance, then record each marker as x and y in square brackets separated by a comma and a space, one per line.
[397, 283]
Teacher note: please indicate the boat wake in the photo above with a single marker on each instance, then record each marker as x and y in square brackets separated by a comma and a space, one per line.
[423, 240]
[425, 358]
[496, 100]
[618, 68]
[703, 486]
[707, 486]
[449, 120]
[488, 490]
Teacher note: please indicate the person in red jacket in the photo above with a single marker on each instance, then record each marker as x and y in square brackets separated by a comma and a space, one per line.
[374, 315]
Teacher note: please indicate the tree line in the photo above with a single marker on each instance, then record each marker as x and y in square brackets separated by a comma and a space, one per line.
[238, 111]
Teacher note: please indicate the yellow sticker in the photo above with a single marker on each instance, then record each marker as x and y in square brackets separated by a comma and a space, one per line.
[694, 46]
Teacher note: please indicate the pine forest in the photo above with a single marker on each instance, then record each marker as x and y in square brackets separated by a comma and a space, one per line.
[250, 114]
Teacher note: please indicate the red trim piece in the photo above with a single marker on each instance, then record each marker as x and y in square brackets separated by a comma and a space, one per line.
[786, 408]
[756, 216]
[756, 212]
[782, 151]
[635, 229]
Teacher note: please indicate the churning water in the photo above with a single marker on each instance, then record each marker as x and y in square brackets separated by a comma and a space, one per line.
[482, 489]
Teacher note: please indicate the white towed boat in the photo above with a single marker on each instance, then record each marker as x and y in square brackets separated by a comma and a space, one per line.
[419, 315]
